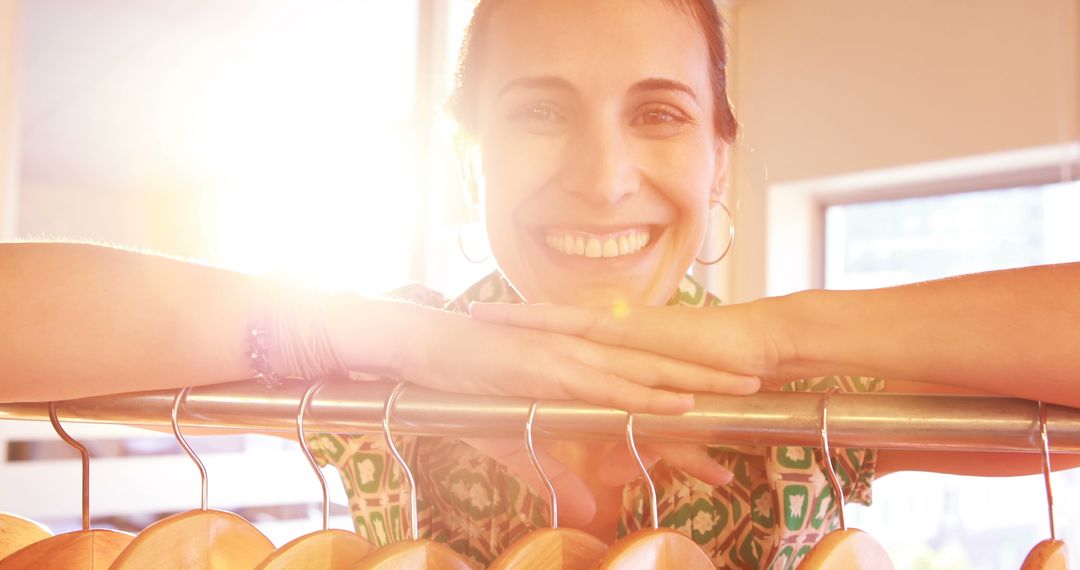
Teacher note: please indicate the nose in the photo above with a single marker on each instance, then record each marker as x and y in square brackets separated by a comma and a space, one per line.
[600, 167]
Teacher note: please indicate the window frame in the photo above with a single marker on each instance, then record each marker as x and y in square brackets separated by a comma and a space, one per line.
[795, 211]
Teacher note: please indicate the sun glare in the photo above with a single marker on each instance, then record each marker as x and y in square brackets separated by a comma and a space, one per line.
[307, 145]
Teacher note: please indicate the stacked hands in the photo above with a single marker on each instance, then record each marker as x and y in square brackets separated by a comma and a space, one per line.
[639, 359]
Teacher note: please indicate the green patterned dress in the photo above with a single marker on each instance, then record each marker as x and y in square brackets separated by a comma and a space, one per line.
[769, 517]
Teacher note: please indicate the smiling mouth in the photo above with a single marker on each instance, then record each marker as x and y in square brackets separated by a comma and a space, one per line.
[585, 244]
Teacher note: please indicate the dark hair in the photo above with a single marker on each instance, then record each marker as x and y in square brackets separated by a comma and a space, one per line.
[462, 105]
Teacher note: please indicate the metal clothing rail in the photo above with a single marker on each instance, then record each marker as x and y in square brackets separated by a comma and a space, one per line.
[882, 421]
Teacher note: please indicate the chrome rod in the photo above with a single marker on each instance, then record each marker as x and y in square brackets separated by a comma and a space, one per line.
[883, 421]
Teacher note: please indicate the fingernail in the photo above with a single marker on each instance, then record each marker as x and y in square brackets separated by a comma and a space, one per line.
[752, 384]
[719, 475]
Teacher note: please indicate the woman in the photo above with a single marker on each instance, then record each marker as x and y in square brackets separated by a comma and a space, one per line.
[602, 131]
[595, 124]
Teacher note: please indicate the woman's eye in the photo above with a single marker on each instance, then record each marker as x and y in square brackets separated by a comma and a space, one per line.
[660, 122]
[539, 117]
[658, 118]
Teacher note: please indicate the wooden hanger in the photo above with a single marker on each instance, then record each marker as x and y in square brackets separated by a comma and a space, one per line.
[1051, 553]
[201, 539]
[17, 532]
[412, 553]
[86, 548]
[844, 549]
[550, 548]
[655, 548]
[326, 549]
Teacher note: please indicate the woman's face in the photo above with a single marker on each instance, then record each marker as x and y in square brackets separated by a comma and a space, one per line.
[595, 123]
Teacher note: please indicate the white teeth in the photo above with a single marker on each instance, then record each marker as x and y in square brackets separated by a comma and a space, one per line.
[592, 246]
[611, 248]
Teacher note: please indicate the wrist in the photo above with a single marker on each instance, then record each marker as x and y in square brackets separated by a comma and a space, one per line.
[802, 329]
[375, 336]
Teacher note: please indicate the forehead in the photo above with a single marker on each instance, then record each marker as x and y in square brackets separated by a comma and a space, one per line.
[595, 44]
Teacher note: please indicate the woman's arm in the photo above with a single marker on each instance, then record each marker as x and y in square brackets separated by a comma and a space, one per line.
[1014, 332]
[81, 320]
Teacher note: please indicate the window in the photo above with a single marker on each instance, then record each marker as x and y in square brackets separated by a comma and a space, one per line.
[890, 242]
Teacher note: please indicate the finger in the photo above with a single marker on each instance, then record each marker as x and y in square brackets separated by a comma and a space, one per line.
[664, 330]
[576, 503]
[620, 467]
[564, 319]
[694, 460]
[653, 370]
[605, 389]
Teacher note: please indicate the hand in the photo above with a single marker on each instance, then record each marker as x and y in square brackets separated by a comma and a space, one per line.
[455, 353]
[577, 506]
[739, 339]
[619, 467]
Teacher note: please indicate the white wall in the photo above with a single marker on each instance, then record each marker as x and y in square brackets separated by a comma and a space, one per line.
[9, 26]
[833, 87]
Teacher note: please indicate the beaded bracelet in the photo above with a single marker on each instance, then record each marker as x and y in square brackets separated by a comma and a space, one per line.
[259, 352]
[317, 358]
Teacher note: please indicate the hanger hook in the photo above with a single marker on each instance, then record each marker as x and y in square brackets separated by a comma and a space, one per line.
[304, 402]
[85, 463]
[413, 523]
[834, 481]
[177, 402]
[1045, 444]
[553, 500]
[644, 470]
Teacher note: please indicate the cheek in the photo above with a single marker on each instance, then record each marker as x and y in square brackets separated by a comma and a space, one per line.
[684, 174]
[515, 169]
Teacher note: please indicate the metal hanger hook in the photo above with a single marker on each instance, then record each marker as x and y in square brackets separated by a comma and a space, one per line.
[413, 523]
[1045, 444]
[644, 470]
[553, 500]
[305, 401]
[177, 402]
[834, 481]
[55, 421]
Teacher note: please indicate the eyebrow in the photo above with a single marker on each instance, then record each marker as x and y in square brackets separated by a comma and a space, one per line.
[558, 83]
[539, 82]
[661, 84]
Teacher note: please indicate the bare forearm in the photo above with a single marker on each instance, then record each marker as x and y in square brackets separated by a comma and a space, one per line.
[81, 320]
[1011, 332]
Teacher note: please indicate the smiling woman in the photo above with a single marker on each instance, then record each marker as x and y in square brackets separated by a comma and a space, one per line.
[598, 133]
[599, 176]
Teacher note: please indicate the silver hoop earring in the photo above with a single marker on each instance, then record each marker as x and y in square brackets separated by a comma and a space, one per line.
[461, 248]
[731, 237]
